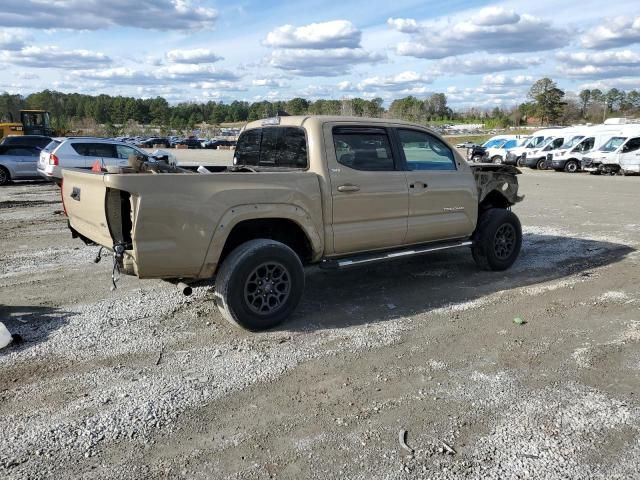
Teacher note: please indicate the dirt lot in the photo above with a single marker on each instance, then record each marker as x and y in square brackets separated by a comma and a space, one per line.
[144, 383]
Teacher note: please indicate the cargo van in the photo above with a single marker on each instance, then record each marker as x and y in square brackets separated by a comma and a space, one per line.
[537, 157]
[515, 155]
[569, 157]
[619, 154]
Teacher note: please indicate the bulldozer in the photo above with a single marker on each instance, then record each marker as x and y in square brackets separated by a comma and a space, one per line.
[32, 122]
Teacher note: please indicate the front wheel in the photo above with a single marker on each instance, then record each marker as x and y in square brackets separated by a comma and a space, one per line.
[542, 164]
[497, 239]
[5, 178]
[496, 159]
[259, 284]
[571, 166]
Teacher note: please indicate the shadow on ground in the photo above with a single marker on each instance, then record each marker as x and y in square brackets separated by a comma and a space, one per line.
[32, 324]
[337, 299]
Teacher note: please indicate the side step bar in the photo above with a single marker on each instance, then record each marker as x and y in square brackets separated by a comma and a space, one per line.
[366, 259]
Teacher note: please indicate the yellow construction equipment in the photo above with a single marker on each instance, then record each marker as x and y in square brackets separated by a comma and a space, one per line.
[32, 122]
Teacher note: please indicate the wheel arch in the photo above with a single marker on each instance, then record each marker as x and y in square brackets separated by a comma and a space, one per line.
[288, 224]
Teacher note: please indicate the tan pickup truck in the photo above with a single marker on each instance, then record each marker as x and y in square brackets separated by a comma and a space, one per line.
[333, 191]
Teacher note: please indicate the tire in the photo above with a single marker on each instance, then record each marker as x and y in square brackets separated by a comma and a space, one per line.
[496, 159]
[571, 166]
[476, 158]
[5, 176]
[541, 164]
[520, 162]
[497, 239]
[250, 269]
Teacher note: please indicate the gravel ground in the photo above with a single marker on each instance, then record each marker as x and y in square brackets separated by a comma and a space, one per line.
[142, 382]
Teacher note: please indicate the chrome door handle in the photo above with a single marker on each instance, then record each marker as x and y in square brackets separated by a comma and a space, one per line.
[348, 188]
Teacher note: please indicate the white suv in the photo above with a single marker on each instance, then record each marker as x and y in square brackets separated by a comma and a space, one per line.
[82, 152]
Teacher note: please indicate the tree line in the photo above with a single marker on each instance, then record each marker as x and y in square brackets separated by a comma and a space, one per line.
[547, 104]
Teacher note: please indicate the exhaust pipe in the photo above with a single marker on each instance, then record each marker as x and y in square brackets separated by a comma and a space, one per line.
[185, 289]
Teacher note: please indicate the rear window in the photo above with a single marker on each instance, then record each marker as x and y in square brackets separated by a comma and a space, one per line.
[104, 150]
[272, 147]
[51, 146]
[39, 142]
[363, 148]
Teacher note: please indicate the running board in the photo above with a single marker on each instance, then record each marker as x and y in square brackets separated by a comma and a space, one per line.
[366, 259]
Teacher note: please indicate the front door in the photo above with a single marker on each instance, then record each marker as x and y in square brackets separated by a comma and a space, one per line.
[369, 190]
[442, 202]
[629, 156]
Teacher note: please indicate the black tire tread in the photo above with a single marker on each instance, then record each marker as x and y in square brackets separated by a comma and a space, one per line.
[488, 222]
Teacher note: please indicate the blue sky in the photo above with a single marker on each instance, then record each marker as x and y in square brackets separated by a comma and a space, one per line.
[480, 53]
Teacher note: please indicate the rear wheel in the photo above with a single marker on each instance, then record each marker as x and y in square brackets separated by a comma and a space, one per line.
[571, 166]
[5, 177]
[497, 240]
[259, 284]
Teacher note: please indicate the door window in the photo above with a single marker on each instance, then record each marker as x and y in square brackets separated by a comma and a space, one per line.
[105, 150]
[586, 144]
[425, 152]
[366, 149]
[632, 145]
[23, 151]
[124, 151]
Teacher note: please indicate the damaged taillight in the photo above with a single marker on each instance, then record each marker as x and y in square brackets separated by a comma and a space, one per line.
[53, 160]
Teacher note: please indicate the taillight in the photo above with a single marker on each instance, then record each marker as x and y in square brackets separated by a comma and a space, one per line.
[53, 160]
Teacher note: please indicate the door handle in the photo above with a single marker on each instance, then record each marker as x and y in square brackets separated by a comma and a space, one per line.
[418, 185]
[348, 188]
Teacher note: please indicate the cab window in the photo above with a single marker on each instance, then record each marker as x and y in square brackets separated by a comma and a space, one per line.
[272, 147]
[363, 148]
[425, 152]
[632, 145]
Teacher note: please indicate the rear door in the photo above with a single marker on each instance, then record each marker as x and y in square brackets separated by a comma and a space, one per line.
[26, 160]
[368, 188]
[442, 200]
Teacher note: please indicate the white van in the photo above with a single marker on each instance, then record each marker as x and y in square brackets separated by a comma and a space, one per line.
[619, 154]
[497, 152]
[517, 154]
[569, 157]
[537, 157]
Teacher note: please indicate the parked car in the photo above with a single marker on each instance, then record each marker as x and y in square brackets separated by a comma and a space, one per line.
[150, 142]
[190, 142]
[39, 141]
[620, 154]
[302, 190]
[218, 143]
[18, 162]
[497, 152]
[515, 156]
[82, 152]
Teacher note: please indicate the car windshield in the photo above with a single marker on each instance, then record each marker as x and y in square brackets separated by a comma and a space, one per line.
[535, 142]
[573, 141]
[613, 144]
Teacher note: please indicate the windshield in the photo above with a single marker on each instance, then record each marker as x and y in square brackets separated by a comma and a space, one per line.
[573, 141]
[535, 142]
[612, 144]
[493, 142]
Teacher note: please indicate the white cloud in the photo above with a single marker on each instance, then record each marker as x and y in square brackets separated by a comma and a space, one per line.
[9, 41]
[196, 55]
[329, 62]
[220, 85]
[615, 32]
[98, 14]
[400, 81]
[620, 83]
[494, 16]
[176, 73]
[54, 57]
[269, 82]
[503, 80]
[594, 65]
[493, 30]
[477, 64]
[333, 34]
